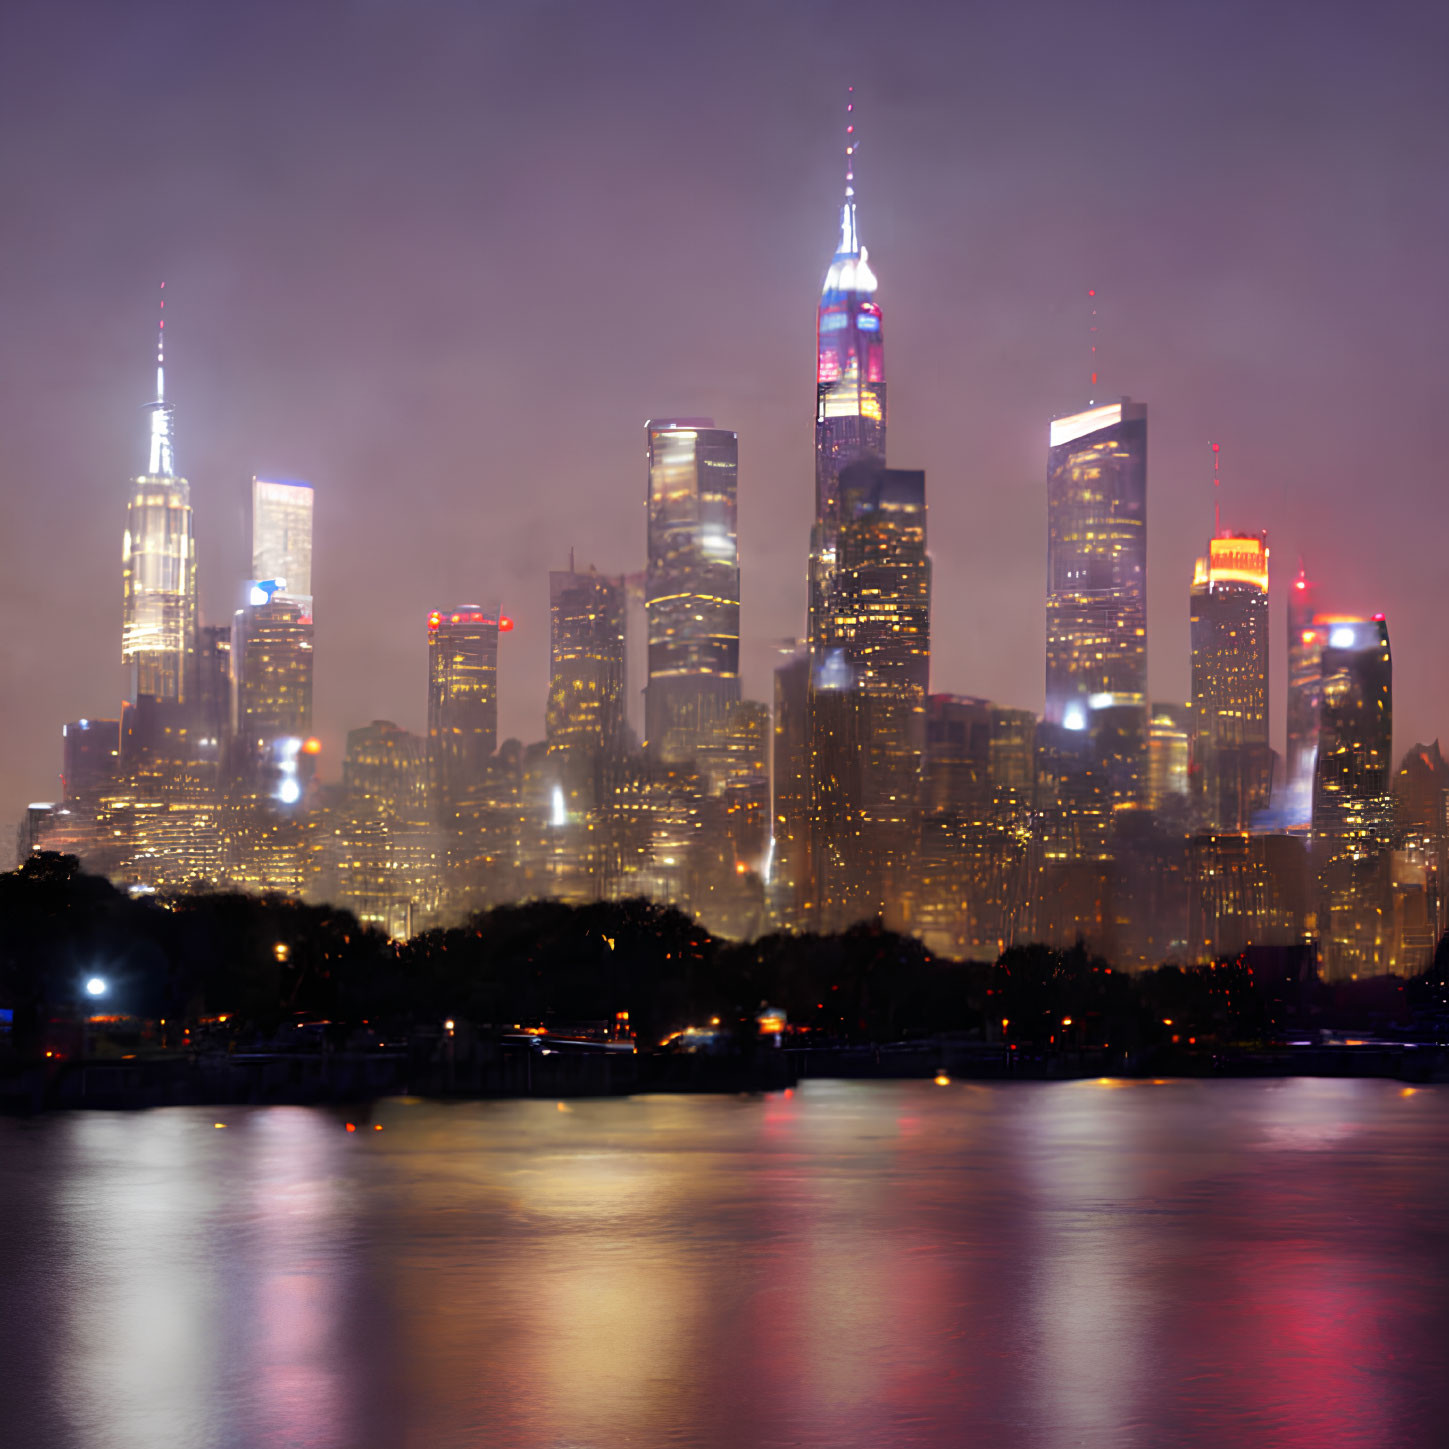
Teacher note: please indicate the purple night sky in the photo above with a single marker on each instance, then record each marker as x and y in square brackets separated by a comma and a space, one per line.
[443, 259]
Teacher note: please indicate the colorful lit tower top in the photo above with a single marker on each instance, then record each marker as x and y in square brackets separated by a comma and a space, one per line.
[850, 399]
[158, 562]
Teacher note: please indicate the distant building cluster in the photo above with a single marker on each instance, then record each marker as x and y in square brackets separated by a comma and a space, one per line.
[1154, 831]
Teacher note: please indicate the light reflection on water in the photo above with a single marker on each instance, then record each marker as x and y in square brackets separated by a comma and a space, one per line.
[1053, 1266]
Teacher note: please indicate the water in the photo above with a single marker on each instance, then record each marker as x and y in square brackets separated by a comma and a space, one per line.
[1043, 1265]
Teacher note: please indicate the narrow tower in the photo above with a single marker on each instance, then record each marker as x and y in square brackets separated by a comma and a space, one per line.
[158, 563]
[850, 393]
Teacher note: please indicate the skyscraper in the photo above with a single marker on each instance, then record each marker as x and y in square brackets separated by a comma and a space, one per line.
[790, 872]
[1232, 761]
[850, 393]
[1306, 637]
[271, 643]
[585, 715]
[1352, 804]
[692, 594]
[462, 701]
[158, 565]
[1096, 650]
[879, 610]
[282, 538]
[272, 661]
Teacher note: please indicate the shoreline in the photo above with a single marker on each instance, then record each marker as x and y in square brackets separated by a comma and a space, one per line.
[337, 1078]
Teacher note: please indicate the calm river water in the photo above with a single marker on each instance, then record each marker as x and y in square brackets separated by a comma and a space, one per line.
[1054, 1265]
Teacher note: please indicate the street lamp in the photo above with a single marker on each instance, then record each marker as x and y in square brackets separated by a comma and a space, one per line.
[96, 986]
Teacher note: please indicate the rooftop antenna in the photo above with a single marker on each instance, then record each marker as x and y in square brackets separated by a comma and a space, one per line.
[850, 236]
[1217, 483]
[1092, 338]
[161, 462]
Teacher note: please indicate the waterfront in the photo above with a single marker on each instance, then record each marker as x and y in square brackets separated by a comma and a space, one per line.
[1070, 1264]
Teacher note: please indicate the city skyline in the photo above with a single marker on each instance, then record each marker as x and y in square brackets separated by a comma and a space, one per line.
[370, 594]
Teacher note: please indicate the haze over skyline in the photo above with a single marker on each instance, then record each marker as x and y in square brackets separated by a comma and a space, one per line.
[442, 263]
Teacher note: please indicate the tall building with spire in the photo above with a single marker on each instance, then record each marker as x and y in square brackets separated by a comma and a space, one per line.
[158, 564]
[850, 394]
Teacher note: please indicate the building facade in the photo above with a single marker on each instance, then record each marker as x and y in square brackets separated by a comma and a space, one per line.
[1352, 799]
[158, 566]
[692, 592]
[1231, 758]
[462, 702]
[1096, 649]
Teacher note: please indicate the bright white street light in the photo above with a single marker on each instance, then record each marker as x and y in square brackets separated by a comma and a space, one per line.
[96, 986]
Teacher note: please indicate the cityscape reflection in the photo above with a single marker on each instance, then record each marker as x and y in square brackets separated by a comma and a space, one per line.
[1187, 1263]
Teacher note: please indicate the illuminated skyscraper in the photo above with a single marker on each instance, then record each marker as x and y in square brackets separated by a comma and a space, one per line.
[282, 538]
[1096, 651]
[462, 701]
[1352, 804]
[1169, 752]
[1355, 734]
[158, 565]
[866, 809]
[272, 664]
[692, 595]
[850, 393]
[271, 644]
[790, 872]
[585, 716]
[1306, 637]
[1232, 761]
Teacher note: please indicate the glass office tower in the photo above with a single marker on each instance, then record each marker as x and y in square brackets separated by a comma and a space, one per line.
[1306, 636]
[1352, 800]
[282, 537]
[585, 714]
[692, 591]
[1096, 648]
[462, 701]
[1232, 760]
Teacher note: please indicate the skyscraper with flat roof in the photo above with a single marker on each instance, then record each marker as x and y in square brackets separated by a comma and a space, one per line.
[282, 538]
[1232, 761]
[1306, 636]
[692, 592]
[585, 715]
[1352, 800]
[1096, 650]
[462, 701]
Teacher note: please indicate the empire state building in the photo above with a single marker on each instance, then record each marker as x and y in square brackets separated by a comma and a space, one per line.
[850, 396]
[158, 564]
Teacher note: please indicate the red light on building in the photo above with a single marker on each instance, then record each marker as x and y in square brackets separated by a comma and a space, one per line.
[505, 624]
[312, 747]
[434, 619]
[1299, 584]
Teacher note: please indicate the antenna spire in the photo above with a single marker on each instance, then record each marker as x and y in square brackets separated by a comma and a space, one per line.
[1092, 339]
[849, 233]
[1217, 483]
[162, 463]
